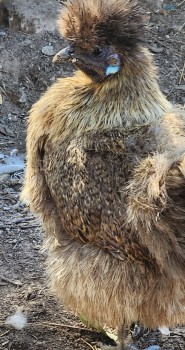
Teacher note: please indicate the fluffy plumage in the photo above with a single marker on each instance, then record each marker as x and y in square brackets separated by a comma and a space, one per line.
[111, 22]
[105, 171]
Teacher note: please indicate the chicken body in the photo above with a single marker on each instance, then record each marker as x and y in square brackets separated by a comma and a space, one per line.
[105, 171]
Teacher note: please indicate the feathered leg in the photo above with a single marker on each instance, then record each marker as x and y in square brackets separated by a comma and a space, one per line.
[124, 340]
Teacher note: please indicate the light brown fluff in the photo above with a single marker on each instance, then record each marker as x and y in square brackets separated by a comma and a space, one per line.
[105, 171]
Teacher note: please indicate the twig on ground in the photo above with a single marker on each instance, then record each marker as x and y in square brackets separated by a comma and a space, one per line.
[92, 347]
[62, 325]
[5, 279]
[177, 68]
[28, 226]
[3, 90]
[159, 42]
[4, 256]
[181, 3]
[5, 333]
[24, 219]
[179, 30]
[172, 89]
[52, 324]
[182, 74]
[173, 334]
[168, 46]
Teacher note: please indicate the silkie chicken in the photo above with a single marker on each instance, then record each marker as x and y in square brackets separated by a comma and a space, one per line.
[106, 173]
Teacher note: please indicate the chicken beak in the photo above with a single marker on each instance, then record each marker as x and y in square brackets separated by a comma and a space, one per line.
[63, 55]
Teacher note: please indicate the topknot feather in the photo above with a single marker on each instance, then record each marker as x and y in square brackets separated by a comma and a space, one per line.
[86, 22]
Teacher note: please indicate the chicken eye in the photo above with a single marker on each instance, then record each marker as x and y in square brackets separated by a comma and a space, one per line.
[97, 51]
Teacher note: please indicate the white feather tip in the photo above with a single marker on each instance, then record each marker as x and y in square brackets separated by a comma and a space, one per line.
[18, 320]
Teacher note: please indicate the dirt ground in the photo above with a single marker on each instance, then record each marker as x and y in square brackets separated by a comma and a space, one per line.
[26, 71]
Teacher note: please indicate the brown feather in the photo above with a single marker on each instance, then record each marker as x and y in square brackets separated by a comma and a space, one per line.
[105, 171]
[90, 23]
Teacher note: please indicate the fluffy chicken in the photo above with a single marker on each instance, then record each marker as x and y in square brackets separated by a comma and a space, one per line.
[106, 173]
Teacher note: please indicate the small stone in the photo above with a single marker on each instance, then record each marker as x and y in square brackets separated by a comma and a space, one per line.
[156, 49]
[40, 343]
[48, 50]
[2, 33]
[6, 208]
[166, 91]
[14, 152]
[53, 79]
[23, 97]
[27, 42]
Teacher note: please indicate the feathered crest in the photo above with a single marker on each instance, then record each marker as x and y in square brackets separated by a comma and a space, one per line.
[93, 22]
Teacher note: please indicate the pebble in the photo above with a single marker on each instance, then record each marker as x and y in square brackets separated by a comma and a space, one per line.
[41, 343]
[156, 49]
[48, 50]
[14, 152]
[53, 79]
[27, 42]
[6, 208]
[166, 91]
[23, 97]
[2, 33]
